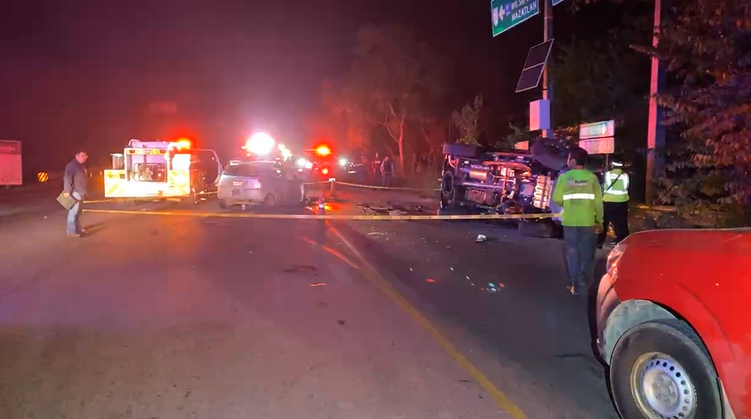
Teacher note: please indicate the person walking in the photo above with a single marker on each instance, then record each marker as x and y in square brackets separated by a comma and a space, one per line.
[578, 193]
[387, 171]
[74, 186]
[615, 200]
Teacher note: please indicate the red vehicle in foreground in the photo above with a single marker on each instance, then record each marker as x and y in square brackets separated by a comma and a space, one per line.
[674, 324]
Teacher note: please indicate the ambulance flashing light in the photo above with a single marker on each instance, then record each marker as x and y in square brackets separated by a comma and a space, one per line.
[323, 150]
[260, 143]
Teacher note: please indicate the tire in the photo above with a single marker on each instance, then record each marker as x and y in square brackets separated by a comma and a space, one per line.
[223, 204]
[549, 154]
[461, 150]
[685, 364]
[448, 191]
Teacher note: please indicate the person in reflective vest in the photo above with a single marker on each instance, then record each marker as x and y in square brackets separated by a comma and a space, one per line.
[578, 193]
[615, 200]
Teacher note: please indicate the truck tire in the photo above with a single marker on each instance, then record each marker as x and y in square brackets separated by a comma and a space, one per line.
[549, 154]
[461, 150]
[669, 358]
[448, 191]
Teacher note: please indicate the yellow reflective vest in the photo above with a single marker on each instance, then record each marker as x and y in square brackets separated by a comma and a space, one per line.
[615, 187]
[578, 192]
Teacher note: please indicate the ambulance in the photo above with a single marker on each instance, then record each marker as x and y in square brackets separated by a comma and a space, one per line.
[154, 170]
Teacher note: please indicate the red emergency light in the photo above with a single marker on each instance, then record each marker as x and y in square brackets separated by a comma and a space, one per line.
[323, 150]
[182, 144]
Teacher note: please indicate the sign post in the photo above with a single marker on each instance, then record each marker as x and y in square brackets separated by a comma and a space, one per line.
[505, 14]
[598, 137]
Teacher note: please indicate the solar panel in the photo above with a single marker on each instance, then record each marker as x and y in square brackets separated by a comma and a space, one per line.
[534, 66]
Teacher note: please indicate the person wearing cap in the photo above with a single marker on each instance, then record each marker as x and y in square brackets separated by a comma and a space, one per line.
[615, 200]
[578, 193]
[74, 185]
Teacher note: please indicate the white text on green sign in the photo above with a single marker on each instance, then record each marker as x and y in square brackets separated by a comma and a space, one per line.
[505, 14]
[597, 130]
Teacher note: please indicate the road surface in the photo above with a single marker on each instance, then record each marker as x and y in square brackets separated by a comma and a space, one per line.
[180, 317]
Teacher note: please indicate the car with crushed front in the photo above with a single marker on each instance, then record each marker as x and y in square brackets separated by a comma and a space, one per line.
[268, 183]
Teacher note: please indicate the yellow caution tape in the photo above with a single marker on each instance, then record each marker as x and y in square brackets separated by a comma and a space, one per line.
[318, 183]
[344, 217]
[387, 188]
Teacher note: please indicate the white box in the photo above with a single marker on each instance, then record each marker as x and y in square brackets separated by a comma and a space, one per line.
[539, 115]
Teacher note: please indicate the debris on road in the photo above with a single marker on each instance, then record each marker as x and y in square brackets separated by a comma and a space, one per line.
[481, 238]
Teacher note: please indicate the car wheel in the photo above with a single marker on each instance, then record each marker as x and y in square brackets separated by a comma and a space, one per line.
[223, 204]
[661, 369]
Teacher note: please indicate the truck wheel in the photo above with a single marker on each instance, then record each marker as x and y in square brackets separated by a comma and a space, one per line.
[447, 191]
[661, 369]
[223, 204]
[461, 150]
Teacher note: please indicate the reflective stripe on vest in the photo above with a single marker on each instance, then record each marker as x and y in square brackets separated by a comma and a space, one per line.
[579, 196]
[614, 189]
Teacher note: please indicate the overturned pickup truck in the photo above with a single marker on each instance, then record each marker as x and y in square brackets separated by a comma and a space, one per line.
[503, 181]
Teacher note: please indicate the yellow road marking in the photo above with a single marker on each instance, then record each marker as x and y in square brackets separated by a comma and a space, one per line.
[382, 284]
[340, 217]
[333, 252]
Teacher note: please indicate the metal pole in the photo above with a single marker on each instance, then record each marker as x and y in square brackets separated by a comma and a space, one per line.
[547, 82]
[655, 130]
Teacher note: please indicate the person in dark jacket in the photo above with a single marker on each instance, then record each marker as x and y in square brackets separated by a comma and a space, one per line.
[376, 170]
[74, 185]
[387, 171]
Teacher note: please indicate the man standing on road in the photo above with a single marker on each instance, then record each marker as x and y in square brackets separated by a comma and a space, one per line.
[387, 171]
[376, 170]
[615, 200]
[74, 185]
[578, 193]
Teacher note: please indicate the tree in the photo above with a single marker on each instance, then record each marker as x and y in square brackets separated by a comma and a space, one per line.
[352, 122]
[391, 84]
[707, 47]
[468, 122]
[597, 81]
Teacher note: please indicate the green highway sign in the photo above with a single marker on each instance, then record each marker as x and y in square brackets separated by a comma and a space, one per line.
[505, 14]
[597, 130]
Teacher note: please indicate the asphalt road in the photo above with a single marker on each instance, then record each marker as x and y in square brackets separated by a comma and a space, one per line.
[173, 317]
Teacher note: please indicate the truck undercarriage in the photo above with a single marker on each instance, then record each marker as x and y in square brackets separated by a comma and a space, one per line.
[501, 182]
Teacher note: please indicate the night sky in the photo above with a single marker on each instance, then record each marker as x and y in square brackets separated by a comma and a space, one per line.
[80, 74]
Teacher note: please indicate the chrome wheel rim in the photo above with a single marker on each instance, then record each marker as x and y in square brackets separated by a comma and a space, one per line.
[662, 388]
